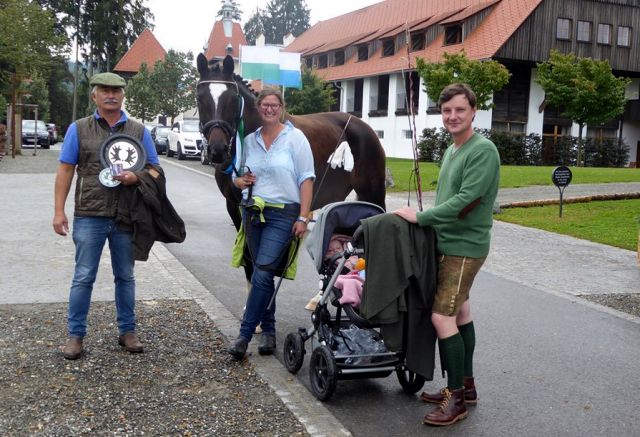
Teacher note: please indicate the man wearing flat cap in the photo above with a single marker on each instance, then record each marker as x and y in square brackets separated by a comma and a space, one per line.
[96, 206]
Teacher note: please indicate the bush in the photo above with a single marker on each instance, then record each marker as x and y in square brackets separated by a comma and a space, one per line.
[532, 149]
[433, 144]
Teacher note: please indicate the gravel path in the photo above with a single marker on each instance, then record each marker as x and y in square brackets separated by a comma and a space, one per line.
[184, 384]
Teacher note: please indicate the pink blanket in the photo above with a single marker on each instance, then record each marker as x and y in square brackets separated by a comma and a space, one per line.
[351, 286]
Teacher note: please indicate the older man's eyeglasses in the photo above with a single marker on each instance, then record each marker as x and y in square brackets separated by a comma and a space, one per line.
[273, 106]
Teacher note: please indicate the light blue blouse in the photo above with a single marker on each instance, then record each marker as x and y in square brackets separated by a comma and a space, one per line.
[283, 168]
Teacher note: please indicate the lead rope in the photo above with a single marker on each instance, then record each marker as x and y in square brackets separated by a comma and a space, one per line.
[315, 195]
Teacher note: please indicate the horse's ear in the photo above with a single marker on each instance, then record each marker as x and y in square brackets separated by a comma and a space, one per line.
[227, 65]
[203, 64]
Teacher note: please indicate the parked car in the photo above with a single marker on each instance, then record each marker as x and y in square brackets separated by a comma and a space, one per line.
[53, 132]
[184, 139]
[29, 131]
[150, 126]
[159, 135]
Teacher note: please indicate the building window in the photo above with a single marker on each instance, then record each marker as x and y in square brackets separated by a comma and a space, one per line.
[322, 61]
[584, 31]
[338, 58]
[380, 134]
[363, 53]
[453, 35]
[604, 33]
[624, 36]
[407, 134]
[508, 126]
[417, 41]
[388, 48]
[601, 132]
[380, 101]
[564, 29]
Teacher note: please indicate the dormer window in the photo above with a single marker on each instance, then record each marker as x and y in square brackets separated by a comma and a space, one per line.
[338, 57]
[453, 34]
[417, 41]
[388, 48]
[363, 53]
[322, 61]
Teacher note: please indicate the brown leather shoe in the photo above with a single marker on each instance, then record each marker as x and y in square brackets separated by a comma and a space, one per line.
[452, 409]
[73, 348]
[130, 342]
[470, 394]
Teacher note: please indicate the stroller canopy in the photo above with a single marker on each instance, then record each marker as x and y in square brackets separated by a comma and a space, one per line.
[337, 218]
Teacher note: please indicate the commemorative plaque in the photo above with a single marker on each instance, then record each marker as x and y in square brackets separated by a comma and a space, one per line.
[123, 149]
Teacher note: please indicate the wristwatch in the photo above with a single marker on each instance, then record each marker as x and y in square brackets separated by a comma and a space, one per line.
[304, 220]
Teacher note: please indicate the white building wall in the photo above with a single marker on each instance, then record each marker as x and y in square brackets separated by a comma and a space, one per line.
[536, 97]
[631, 133]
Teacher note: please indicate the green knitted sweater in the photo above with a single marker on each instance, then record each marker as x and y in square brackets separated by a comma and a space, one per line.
[467, 189]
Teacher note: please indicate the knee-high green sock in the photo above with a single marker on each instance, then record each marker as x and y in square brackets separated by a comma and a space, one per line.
[452, 349]
[468, 334]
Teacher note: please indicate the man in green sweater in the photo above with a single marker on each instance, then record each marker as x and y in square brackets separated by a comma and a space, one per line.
[462, 217]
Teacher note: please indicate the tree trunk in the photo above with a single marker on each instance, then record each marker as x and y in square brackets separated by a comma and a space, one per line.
[579, 163]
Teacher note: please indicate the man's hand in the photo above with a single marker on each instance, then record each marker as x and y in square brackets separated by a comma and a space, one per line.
[127, 178]
[408, 213]
[61, 224]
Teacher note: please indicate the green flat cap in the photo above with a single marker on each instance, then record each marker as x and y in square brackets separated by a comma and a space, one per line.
[108, 79]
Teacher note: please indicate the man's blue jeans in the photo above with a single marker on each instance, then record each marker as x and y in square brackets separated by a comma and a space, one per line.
[267, 246]
[89, 236]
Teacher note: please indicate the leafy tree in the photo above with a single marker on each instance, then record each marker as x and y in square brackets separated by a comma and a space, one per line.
[38, 94]
[586, 88]
[3, 109]
[60, 85]
[280, 18]
[27, 39]
[315, 95]
[236, 14]
[253, 28]
[175, 80]
[142, 98]
[484, 77]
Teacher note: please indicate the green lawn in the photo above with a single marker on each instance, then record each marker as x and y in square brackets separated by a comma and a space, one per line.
[510, 176]
[614, 223]
[608, 222]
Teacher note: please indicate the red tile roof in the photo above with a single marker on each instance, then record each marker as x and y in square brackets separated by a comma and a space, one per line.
[218, 42]
[145, 49]
[339, 32]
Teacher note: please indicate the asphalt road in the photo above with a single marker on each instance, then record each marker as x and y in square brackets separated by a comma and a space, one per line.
[546, 364]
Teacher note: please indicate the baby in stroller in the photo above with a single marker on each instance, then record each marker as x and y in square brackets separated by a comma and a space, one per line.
[351, 279]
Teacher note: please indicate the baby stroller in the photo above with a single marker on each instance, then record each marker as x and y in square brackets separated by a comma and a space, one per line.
[337, 328]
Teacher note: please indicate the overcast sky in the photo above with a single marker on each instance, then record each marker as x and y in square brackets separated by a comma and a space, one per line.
[184, 25]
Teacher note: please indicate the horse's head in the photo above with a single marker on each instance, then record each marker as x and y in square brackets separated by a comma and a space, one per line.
[219, 106]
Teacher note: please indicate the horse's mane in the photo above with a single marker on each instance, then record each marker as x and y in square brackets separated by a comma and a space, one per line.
[216, 68]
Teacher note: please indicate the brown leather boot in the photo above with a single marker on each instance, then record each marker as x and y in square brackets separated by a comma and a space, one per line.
[73, 348]
[470, 394]
[452, 409]
[130, 342]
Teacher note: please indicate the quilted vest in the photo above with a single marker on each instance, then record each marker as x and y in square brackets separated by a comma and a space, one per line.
[92, 199]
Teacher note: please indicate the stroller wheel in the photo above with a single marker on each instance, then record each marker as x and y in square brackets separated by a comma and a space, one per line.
[323, 373]
[293, 352]
[410, 381]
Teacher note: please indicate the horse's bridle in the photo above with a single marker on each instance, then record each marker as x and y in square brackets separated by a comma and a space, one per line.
[229, 130]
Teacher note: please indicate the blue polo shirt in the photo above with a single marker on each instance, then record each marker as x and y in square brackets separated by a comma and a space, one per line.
[70, 145]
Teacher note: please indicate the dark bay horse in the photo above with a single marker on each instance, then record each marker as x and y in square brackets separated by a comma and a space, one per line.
[224, 98]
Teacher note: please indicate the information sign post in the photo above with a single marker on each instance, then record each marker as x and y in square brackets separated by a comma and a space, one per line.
[561, 177]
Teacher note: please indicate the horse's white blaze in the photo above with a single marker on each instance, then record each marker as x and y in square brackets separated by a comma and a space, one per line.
[216, 90]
